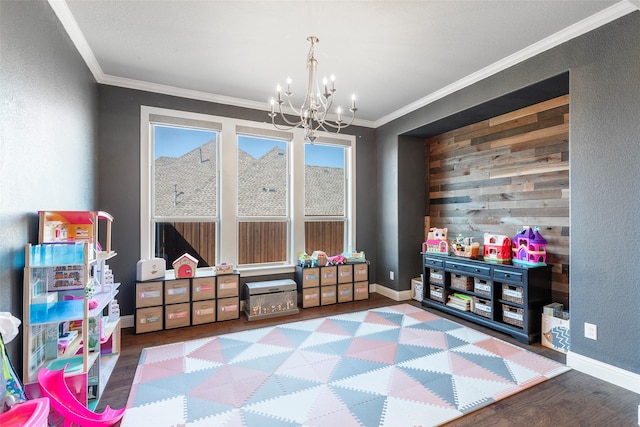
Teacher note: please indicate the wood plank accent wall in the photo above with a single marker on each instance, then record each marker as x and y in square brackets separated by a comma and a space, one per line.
[504, 173]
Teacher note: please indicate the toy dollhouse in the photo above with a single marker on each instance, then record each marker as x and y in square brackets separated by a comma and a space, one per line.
[497, 248]
[465, 247]
[185, 266]
[529, 247]
[436, 241]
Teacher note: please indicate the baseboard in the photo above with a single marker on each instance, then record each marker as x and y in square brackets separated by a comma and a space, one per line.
[390, 293]
[604, 372]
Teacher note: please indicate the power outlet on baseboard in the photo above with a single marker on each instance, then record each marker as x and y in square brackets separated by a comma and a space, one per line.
[391, 275]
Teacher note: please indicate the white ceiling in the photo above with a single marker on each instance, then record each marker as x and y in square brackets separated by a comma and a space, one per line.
[394, 55]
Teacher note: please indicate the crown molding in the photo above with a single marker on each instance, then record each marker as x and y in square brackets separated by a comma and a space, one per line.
[62, 11]
[620, 9]
[195, 94]
[597, 20]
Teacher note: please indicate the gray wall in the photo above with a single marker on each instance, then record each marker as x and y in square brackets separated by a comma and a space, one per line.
[48, 128]
[604, 67]
[119, 173]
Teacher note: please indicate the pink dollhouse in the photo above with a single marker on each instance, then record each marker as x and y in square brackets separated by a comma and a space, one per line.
[436, 241]
[497, 248]
[529, 247]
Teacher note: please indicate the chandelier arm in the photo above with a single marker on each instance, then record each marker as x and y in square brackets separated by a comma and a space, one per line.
[284, 118]
[283, 127]
[338, 125]
[296, 111]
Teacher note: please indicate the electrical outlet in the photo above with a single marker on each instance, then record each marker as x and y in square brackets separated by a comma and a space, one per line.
[590, 331]
[391, 275]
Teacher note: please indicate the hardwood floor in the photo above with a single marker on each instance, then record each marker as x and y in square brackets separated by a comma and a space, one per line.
[570, 399]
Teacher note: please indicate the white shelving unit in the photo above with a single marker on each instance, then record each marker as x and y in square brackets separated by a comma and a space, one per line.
[69, 295]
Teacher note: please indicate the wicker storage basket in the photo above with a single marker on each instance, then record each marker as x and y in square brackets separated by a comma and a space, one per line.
[460, 282]
[481, 286]
[513, 293]
[436, 276]
[481, 307]
[512, 315]
[436, 293]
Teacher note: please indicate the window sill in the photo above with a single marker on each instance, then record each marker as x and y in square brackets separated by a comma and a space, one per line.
[265, 271]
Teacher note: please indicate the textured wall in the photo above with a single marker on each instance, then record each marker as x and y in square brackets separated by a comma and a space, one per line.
[604, 149]
[605, 196]
[48, 105]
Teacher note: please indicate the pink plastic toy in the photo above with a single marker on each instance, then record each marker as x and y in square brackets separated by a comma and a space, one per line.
[64, 402]
[436, 241]
[32, 413]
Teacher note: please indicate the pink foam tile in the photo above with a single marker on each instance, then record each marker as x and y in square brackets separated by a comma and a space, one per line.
[537, 363]
[372, 350]
[403, 386]
[463, 367]
[423, 338]
[328, 326]
[161, 369]
[498, 347]
[423, 316]
[164, 352]
[211, 351]
[232, 385]
[278, 338]
[373, 317]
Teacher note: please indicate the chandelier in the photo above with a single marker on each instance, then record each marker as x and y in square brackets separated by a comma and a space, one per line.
[312, 114]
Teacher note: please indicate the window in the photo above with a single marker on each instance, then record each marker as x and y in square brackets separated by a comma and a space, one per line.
[263, 200]
[325, 198]
[229, 190]
[185, 188]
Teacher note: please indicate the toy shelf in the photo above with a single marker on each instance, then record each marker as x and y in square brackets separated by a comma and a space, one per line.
[487, 285]
[66, 325]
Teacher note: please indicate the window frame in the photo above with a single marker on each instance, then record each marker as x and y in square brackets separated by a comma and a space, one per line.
[227, 238]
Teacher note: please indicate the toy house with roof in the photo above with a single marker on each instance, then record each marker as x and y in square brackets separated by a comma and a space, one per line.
[436, 241]
[185, 266]
[529, 247]
[497, 248]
